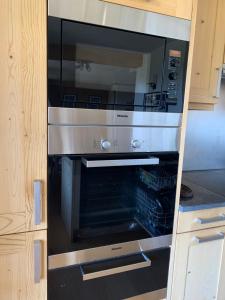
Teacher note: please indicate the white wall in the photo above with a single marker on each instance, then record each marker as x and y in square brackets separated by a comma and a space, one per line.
[205, 138]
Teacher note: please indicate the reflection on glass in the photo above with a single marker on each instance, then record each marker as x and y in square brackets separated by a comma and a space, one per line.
[92, 207]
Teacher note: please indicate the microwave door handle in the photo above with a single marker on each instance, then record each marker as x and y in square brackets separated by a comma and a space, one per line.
[124, 268]
[120, 162]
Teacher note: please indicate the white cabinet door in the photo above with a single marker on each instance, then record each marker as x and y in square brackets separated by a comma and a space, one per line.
[199, 266]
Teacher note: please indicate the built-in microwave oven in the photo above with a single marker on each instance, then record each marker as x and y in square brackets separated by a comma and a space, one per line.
[100, 68]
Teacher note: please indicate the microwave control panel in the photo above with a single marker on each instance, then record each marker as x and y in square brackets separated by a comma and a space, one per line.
[174, 63]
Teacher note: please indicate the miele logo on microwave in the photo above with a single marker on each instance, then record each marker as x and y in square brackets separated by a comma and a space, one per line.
[122, 116]
[116, 248]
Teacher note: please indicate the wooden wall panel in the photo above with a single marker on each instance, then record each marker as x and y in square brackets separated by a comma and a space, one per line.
[170, 285]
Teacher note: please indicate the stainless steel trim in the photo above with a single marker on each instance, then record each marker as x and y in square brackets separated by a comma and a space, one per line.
[200, 240]
[119, 162]
[37, 201]
[92, 117]
[219, 218]
[146, 263]
[37, 261]
[218, 85]
[121, 17]
[87, 139]
[155, 295]
[106, 252]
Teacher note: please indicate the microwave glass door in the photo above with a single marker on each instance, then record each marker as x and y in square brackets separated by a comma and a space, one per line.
[96, 202]
[95, 67]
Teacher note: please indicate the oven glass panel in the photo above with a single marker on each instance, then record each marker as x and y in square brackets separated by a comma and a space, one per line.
[98, 206]
[94, 67]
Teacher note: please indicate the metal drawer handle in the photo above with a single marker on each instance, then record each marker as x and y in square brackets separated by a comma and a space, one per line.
[218, 85]
[146, 263]
[120, 162]
[37, 261]
[219, 218]
[219, 236]
[37, 202]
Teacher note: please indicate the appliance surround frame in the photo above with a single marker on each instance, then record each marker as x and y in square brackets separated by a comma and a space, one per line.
[107, 14]
[101, 13]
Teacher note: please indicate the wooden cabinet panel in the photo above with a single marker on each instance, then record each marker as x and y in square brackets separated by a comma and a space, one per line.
[176, 8]
[208, 54]
[203, 50]
[199, 265]
[17, 266]
[218, 51]
[201, 106]
[23, 112]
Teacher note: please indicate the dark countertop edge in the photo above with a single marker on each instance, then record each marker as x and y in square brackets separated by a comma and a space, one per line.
[187, 208]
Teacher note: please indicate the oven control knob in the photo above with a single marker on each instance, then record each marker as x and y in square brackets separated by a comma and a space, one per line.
[136, 144]
[105, 144]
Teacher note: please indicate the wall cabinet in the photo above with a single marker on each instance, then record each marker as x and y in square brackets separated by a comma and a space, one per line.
[199, 266]
[23, 270]
[208, 54]
[176, 8]
[23, 115]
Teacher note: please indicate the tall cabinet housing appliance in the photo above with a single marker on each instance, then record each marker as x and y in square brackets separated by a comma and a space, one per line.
[116, 79]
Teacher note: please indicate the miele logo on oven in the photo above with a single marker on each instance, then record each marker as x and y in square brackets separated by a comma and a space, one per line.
[122, 116]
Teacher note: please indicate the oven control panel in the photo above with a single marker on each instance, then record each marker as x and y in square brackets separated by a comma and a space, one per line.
[110, 139]
[107, 146]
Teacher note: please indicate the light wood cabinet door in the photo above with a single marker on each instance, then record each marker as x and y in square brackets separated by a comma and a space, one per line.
[208, 54]
[177, 8]
[199, 267]
[23, 266]
[23, 114]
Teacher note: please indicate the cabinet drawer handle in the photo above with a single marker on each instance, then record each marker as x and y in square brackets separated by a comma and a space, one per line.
[37, 202]
[219, 236]
[219, 218]
[218, 84]
[37, 261]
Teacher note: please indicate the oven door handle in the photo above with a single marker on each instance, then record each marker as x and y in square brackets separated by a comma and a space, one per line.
[120, 162]
[119, 269]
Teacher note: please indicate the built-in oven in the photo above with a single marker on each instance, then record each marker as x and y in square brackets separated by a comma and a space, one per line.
[111, 207]
[103, 201]
[116, 80]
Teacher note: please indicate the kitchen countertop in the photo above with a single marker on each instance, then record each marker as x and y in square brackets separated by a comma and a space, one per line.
[208, 188]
